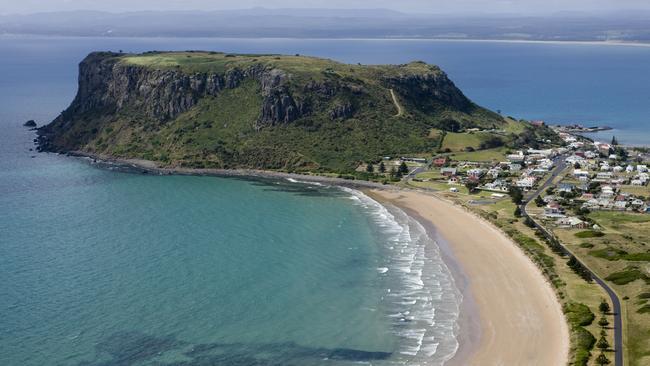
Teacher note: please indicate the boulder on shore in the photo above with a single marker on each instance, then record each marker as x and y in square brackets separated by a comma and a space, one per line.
[30, 123]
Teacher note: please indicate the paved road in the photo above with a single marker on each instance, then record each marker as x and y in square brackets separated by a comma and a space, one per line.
[560, 165]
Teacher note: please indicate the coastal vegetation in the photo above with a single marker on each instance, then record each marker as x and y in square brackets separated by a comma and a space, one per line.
[618, 252]
[289, 113]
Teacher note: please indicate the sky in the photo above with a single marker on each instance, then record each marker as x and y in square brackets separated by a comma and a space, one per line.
[410, 6]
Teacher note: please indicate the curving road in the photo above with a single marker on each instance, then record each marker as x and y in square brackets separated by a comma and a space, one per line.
[616, 303]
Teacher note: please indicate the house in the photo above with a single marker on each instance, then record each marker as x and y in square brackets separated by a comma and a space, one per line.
[642, 168]
[541, 153]
[537, 123]
[637, 202]
[617, 169]
[494, 172]
[590, 155]
[575, 159]
[515, 167]
[415, 160]
[586, 197]
[572, 222]
[516, 157]
[546, 164]
[606, 191]
[636, 182]
[613, 156]
[566, 187]
[620, 205]
[604, 176]
[549, 198]
[629, 169]
[475, 173]
[553, 210]
[453, 189]
[496, 186]
[580, 173]
[526, 182]
[448, 172]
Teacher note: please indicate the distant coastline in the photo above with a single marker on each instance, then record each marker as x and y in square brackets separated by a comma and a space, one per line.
[385, 38]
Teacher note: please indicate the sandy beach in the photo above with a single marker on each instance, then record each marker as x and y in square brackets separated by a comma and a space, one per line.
[510, 313]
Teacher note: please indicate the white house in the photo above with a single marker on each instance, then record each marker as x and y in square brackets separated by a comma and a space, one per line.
[580, 173]
[526, 182]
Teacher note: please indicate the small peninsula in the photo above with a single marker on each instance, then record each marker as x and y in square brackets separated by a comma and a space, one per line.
[274, 112]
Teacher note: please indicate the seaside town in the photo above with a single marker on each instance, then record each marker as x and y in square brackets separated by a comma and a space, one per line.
[579, 207]
[593, 176]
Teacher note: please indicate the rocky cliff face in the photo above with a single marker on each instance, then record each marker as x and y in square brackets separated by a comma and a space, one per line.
[428, 90]
[105, 84]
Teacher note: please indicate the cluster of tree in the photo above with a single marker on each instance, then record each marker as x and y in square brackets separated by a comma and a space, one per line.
[516, 194]
[602, 343]
[539, 201]
[491, 142]
[555, 245]
[471, 186]
[579, 269]
[397, 174]
[450, 125]
[371, 168]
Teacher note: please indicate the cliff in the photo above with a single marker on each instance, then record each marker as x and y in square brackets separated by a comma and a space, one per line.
[264, 111]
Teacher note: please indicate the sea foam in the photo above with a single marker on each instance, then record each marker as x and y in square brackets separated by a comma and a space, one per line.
[423, 302]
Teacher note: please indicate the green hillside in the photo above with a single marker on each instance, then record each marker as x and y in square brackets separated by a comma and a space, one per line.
[216, 110]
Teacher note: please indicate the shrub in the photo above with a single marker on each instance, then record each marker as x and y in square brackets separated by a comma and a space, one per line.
[589, 234]
[578, 314]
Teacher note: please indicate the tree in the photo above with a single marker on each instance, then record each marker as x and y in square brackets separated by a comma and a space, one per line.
[539, 201]
[614, 141]
[529, 222]
[602, 343]
[576, 165]
[382, 167]
[602, 359]
[370, 168]
[403, 168]
[394, 173]
[603, 322]
[604, 307]
[518, 212]
[516, 194]
[471, 186]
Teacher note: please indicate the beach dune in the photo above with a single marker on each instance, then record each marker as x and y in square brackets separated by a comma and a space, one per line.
[510, 315]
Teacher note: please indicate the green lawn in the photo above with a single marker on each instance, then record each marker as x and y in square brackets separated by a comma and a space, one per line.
[496, 154]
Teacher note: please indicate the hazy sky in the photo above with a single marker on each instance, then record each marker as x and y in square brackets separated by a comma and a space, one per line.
[429, 6]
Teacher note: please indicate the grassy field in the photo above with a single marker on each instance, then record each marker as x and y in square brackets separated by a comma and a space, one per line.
[459, 141]
[622, 256]
[643, 191]
[495, 155]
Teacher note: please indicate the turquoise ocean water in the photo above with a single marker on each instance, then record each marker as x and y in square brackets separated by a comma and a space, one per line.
[101, 267]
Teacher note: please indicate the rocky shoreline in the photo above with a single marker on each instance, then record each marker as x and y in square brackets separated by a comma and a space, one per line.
[151, 167]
